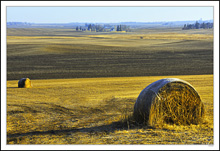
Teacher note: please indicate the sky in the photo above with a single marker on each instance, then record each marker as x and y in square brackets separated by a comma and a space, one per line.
[106, 14]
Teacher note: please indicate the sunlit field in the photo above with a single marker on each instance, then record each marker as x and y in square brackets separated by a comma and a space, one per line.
[94, 111]
[85, 84]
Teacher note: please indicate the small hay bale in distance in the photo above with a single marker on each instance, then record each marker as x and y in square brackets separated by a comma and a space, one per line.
[170, 101]
[24, 83]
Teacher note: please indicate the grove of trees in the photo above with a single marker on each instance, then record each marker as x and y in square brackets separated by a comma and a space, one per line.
[198, 25]
[122, 28]
[102, 28]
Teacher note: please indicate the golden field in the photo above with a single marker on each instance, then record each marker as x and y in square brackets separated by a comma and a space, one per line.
[85, 84]
[96, 111]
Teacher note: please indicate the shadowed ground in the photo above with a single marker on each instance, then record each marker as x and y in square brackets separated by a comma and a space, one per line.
[85, 55]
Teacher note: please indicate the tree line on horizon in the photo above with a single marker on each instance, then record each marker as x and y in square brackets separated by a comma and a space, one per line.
[198, 25]
[102, 28]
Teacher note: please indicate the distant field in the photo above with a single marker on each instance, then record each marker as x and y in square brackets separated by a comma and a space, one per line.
[96, 111]
[64, 53]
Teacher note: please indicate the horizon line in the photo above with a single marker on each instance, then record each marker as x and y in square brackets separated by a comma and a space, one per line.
[112, 22]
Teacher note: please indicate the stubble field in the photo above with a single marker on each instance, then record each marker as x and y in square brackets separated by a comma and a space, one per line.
[68, 54]
[72, 103]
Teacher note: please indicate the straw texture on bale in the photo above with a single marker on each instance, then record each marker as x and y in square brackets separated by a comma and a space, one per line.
[24, 83]
[171, 101]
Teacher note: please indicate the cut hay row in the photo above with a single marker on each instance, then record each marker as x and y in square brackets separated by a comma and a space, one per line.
[171, 101]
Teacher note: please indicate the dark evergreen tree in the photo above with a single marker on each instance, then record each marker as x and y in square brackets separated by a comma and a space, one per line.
[184, 26]
[89, 27]
[197, 25]
[117, 27]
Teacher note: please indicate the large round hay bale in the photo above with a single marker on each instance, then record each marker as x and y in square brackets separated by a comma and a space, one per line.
[24, 83]
[170, 100]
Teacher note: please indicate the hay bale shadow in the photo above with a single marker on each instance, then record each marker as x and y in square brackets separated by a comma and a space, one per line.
[123, 124]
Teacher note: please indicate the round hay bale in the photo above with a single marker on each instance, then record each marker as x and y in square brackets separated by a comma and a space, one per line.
[24, 83]
[171, 101]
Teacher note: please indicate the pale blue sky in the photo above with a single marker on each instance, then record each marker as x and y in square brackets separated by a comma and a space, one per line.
[106, 14]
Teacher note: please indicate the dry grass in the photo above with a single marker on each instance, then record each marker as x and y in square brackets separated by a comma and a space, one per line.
[178, 104]
[99, 110]
[55, 37]
[117, 40]
[96, 111]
